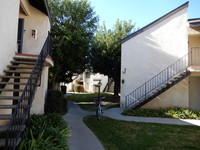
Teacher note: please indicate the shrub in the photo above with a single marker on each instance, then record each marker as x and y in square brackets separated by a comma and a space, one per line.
[78, 88]
[55, 102]
[175, 112]
[45, 132]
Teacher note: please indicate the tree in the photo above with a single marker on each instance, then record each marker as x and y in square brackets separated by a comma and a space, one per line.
[106, 51]
[73, 26]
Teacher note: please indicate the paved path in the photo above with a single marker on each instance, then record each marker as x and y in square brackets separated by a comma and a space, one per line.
[82, 138]
[115, 113]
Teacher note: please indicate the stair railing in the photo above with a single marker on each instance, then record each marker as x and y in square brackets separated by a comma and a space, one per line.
[22, 111]
[145, 90]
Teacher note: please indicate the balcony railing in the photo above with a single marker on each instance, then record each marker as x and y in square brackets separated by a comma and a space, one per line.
[145, 90]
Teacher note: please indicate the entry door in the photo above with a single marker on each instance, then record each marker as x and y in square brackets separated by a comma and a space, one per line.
[194, 90]
[20, 34]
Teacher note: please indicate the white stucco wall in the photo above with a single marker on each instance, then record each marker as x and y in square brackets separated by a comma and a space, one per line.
[9, 11]
[36, 20]
[40, 95]
[176, 96]
[89, 82]
[152, 51]
[104, 81]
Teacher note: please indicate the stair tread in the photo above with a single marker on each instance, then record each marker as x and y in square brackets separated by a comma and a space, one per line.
[18, 71]
[3, 141]
[5, 116]
[12, 90]
[4, 128]
[8, 106]
[25, 58]
[23, 62]
[15, 83]
[20, 67]
[15, 77]
[9, 97]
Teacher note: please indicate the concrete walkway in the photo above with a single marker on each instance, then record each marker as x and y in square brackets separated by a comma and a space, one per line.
[83, 138]
[115, 113]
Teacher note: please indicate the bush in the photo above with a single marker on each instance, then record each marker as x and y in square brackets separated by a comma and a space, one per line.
[45, 132]
[55, 102]
[175, 112]
[78, 88]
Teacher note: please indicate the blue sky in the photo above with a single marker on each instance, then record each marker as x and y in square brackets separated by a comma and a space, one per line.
[141, 12]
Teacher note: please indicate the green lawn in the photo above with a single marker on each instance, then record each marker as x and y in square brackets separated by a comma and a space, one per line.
[86, 100]
[122, 135]
[179, 113]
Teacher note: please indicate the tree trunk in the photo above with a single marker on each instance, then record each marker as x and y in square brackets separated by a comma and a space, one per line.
[53, 84]
[116, 88]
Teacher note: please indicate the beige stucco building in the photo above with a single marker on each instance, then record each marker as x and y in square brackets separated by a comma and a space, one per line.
[160, 63]
[89, 82]
[24, 29]
[24, 63]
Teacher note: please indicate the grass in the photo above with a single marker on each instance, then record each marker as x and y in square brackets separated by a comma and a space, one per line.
[179, 113]
[122, 135]
[86, 100]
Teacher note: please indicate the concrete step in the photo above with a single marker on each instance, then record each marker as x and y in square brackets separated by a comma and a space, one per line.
[9, 97]
[16, 127]
[20, 67]
[23, 62]
[3, 141]
[11, 90]
[18, 71]
[5, 117]
[14, 83]
[8, 106]
[14, 77]
[34, 59]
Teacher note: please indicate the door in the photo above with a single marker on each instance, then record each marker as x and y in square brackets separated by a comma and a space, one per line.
[20, 34]
[194, 92]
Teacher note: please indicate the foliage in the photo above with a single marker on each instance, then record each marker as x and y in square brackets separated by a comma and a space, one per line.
[123, 135]
[78, 88]
[73, 26]
[45, 132]
[106, 51]
[55, 102]
[179, 113]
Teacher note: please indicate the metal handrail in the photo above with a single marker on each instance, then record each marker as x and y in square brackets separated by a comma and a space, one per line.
[22, 111]
[142, 92]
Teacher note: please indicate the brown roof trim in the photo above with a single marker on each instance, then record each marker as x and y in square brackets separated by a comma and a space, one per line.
[41, 5]
[155, 22]
[31, 55]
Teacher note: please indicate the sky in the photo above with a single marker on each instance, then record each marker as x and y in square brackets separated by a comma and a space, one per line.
[141, 12]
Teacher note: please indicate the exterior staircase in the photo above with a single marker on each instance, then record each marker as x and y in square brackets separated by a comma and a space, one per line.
[17, 90]
[160, 83]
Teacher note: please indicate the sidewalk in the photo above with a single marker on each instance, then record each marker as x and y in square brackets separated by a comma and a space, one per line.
[115, 113]
[82, 138]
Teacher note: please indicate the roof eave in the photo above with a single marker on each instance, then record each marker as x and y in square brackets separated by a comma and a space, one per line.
[41, 5]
